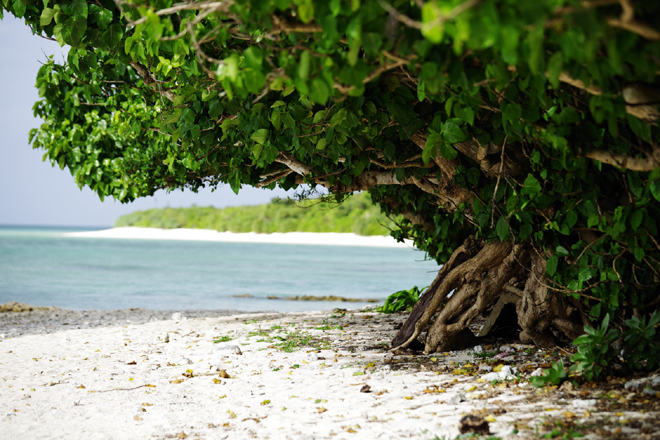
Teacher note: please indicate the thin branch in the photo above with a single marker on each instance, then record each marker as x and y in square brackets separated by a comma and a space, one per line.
[275, 178]
[213, 6]
[497, 185]
[150, 80]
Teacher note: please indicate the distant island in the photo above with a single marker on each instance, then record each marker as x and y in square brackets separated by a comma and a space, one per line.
[356, 214]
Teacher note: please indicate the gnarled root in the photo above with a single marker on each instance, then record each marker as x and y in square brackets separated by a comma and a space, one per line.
[541, 310]
[478, 274]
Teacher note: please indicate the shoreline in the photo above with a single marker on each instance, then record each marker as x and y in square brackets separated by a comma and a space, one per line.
[298, 238]
[293, 376]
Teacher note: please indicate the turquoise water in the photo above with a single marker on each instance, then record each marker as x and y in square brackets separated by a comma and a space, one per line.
[41, 266]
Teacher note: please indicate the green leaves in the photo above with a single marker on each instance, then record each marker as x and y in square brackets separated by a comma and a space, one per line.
[113, 35]
[555, 375]
[502, 228]
[260, 136]
[432, 26]
[531, 186]
[74, 29]
[46, 16]
[402, 300]
[452, 131]
[595, 350]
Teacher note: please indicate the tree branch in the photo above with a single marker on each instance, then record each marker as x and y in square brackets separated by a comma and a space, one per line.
[627, 162]
[150, 80]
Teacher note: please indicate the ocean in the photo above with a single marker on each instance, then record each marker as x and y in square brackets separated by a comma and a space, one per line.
[43, 267]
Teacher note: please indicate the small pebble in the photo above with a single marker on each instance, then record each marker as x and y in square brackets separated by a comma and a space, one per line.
[485, 368]
[177, 316]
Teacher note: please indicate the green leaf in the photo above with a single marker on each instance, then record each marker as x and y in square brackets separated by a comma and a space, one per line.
[76, 7]
[432, 26]
[260, 136]
[321, 144]
[74, 30]
[561, 251]
[502, 228]
[46, 16]
[452, 132]
[319, 91]
[511, 113]
[431, 147]
[473, 175]
[103, 18]
[555, 66]
[112, 35]
[655, 190]
[19, 8]
[447, 151]
[531, 186]
[639, 254]
[466, 114]
[571, 218]
[551, 265]
[304, 65]
[57, 33]
[636, 219]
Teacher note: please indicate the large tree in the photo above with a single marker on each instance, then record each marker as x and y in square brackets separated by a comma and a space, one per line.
[518, 138]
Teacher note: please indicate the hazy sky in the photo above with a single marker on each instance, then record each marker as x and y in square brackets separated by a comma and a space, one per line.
[34, 193]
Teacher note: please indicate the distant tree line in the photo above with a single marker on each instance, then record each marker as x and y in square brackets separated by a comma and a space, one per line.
[356, 214]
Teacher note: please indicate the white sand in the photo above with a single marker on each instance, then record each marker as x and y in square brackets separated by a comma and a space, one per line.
[128, 383]
[335, 239]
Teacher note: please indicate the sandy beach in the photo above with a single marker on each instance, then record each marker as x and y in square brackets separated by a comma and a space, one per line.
[310, 238]
[312, 375]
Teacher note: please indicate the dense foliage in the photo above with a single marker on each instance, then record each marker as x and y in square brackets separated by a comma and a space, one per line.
[532, 123]
[357, 215]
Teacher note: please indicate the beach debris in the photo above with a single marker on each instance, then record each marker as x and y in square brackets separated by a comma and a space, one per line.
[167, 338]
[365, 389]
[322, 298]
[475, 424]
[584, 403]
[226, 350]
[224, 374]
[184, 361]
[456, 399]
[652, 381]
[178, 316]
[537, 373]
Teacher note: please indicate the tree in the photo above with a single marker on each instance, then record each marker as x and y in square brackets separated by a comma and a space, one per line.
[518, 139]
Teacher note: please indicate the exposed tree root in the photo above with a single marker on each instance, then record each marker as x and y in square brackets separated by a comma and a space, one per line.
[478, 274]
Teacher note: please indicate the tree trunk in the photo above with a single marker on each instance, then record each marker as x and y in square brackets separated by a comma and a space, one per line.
[474, 277]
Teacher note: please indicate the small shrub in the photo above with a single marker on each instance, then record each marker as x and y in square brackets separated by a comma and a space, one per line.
[595, 350]
[402, 300]
[555, 375]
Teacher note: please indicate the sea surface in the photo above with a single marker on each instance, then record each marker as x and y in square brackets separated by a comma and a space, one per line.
[43, 267]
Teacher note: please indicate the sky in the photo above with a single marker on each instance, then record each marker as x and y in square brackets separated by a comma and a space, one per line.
[32, 192]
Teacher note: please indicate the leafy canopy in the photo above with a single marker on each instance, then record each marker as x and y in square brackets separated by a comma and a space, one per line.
[532, 121]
